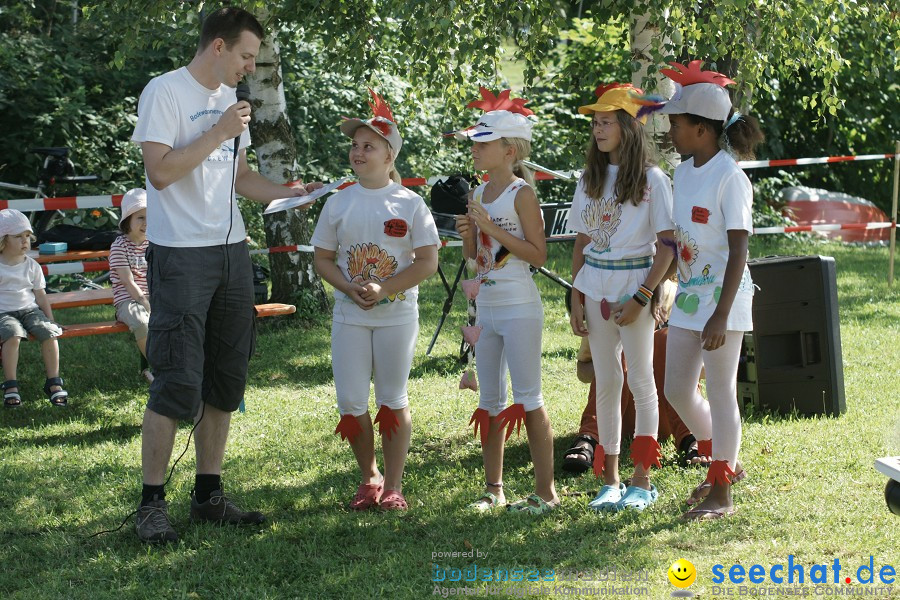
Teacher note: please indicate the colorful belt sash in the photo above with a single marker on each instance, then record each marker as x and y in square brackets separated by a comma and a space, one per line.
[623, 264]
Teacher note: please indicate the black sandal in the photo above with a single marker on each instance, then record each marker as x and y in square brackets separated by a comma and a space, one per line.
[11, 399]
[59, 397]
[689, 451]
[585, 458]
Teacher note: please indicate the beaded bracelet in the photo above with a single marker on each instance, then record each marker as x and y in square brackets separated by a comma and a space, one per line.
[643, 295]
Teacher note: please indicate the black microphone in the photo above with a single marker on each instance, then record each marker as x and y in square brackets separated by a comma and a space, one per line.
[243, 93]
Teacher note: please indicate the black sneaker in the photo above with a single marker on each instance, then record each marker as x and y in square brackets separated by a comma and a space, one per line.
[153, 525]
[219, 509]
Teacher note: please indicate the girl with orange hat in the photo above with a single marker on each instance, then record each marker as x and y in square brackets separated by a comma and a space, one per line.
[503, 233]
[375, 242]
[622, 213]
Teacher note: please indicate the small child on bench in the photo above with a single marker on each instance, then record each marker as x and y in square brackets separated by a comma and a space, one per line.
[128, 270]
[25, 309]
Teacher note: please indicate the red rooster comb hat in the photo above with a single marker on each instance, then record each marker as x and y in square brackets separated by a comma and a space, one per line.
[382, 123]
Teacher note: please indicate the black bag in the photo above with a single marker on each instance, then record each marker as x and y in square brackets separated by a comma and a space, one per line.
[449, 196]
[79, 238]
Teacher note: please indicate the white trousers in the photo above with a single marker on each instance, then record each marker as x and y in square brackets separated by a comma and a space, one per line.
[513, 344]
[718, 419]
[608, 341]
[358, 350]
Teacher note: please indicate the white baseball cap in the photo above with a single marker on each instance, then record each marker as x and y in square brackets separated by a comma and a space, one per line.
[133, 201]
[13, 222]
[497, 124]
[708, 100]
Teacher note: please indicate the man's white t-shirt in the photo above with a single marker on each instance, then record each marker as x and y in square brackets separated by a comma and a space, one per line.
[375, 233]
[619, 230]
[198, 209]
[17, 285]
[709, 201]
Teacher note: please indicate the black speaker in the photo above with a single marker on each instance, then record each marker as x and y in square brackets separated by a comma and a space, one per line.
[792, 358]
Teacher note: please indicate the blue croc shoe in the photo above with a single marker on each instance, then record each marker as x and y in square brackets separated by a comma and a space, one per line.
[608, 497]
[637, 498]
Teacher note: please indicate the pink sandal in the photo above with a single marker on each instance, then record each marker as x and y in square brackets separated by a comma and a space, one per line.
[393, 500]
[367, 495]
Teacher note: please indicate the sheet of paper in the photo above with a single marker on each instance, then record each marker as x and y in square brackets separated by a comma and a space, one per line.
[295, 201]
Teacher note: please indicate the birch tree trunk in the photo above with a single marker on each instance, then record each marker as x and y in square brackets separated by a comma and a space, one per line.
[647, 43]
[294, 280]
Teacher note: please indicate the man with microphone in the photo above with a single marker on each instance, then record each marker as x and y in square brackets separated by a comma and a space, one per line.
[192, 129]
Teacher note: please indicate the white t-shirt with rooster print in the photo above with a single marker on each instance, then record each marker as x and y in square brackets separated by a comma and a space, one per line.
[709, 201]
[374, 233]
[619, 231]
[505, 278]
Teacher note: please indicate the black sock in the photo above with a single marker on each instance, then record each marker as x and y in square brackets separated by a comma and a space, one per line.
[151, 493]
[204, 485]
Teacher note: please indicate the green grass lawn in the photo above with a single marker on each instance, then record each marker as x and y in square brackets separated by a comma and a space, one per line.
[812, 491]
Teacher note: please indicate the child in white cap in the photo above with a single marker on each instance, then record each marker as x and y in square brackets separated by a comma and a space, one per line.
[25, 309]
[713, 202]
[375, 242]
[128, 269]
[503, 233]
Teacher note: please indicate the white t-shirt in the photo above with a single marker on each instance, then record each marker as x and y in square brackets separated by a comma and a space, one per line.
[619, 231]
[175, 110]
[505, 278]
[375, 233]
[709, 201]
[17, 285]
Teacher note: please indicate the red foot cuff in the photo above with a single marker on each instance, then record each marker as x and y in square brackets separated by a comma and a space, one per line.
[511, 417]
[719, 472]
[599, 460]
[704, 448]
[482, 420]
[387, 421]
[645, 450]
[348, 428]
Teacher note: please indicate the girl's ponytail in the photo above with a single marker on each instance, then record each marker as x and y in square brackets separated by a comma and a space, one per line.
[394, 174]
[523, 151]
[520, 170]
[742, 135]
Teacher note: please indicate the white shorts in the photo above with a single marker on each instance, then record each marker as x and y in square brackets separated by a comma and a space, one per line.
[359, 350]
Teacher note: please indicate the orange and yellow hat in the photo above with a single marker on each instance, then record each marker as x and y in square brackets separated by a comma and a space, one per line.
[614, 96]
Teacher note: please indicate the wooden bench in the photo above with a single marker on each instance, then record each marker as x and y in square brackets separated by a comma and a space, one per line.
[71, 256]
[85, 329]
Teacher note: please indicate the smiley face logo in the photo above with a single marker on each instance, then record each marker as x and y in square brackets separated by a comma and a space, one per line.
[682, 573]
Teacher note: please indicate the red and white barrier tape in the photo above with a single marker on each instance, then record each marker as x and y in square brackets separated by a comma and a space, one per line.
[277, 249]
[790, 162]
[75, 267]
[823, 227]
[62, 203]
[74, 202]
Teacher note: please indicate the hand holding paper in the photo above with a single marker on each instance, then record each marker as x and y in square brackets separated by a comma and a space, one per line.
[293, 202]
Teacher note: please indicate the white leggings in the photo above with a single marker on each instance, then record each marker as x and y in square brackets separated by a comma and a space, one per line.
[717, 420]
[357, 350]
[515, 344]
[607, 341]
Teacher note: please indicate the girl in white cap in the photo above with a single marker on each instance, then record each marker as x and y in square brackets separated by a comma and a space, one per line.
[128, 269]
[712, 212]
[622, 213]
[25, 309]
[503, 233]
[375, 242]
